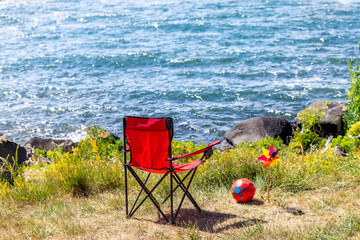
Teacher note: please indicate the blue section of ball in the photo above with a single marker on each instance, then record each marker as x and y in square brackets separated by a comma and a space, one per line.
[237, 190]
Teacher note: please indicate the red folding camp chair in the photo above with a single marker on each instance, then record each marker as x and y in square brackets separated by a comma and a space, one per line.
[149, 142]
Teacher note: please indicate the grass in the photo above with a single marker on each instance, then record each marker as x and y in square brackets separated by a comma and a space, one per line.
[80, 195]
[101, 216]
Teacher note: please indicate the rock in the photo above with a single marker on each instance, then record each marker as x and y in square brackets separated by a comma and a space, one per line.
[8, 150]
[208, 153]
[331, 124]
[225, 146]
[257, 128]
[294, 124]
[47, 144]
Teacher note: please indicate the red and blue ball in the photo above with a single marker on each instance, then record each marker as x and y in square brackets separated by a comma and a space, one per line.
[243, 190]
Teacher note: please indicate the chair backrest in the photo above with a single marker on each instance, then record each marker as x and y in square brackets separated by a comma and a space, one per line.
[149, 140]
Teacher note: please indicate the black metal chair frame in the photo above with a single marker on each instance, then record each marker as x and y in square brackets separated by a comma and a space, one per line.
[173, 177]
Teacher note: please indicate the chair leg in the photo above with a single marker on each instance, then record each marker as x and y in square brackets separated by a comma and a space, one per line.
[138, 196]
[177, 186]
[148, 193]
[178, 180]
[126, 191]
[171, 197]
[187, 194]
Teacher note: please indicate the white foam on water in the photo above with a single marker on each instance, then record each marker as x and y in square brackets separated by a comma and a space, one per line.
[77, 135]
[348, 1]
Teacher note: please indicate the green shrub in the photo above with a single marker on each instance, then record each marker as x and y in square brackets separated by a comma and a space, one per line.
[307, 136]
[17, 187]
[294, 172]
[88, 169]
[353, 105]
[94, 166]
[223, 168]
[179, 148]
[108, 146]
[265, 143]
[346, 143]
[354, 130]
[350, 141]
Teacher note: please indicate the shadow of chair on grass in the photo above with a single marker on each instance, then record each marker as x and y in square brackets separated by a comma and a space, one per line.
[213, 222]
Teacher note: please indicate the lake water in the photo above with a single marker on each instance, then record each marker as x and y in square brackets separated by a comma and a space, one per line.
[65, 64]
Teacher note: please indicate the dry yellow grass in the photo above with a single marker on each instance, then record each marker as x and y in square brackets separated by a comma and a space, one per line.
[317, 214]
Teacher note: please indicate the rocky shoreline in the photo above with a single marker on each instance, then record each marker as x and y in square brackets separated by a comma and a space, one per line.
[257, 128]
[253, 129]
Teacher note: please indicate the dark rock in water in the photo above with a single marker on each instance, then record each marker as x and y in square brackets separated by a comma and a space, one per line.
[13, 153]
[257, 128]
[47, 144]
[331, 124]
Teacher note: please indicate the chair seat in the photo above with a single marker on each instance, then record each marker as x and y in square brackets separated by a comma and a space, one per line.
[177, 167]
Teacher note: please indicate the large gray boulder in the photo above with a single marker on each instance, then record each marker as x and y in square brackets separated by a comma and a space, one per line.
[13, 153]
[257, 128]
[331, 123]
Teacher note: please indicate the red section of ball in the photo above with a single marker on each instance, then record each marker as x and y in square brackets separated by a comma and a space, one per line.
[243, 190]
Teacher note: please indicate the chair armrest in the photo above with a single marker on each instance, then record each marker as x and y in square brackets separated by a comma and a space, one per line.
[196, 152]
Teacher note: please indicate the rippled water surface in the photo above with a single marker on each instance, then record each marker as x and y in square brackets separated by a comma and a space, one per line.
[208, 64]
